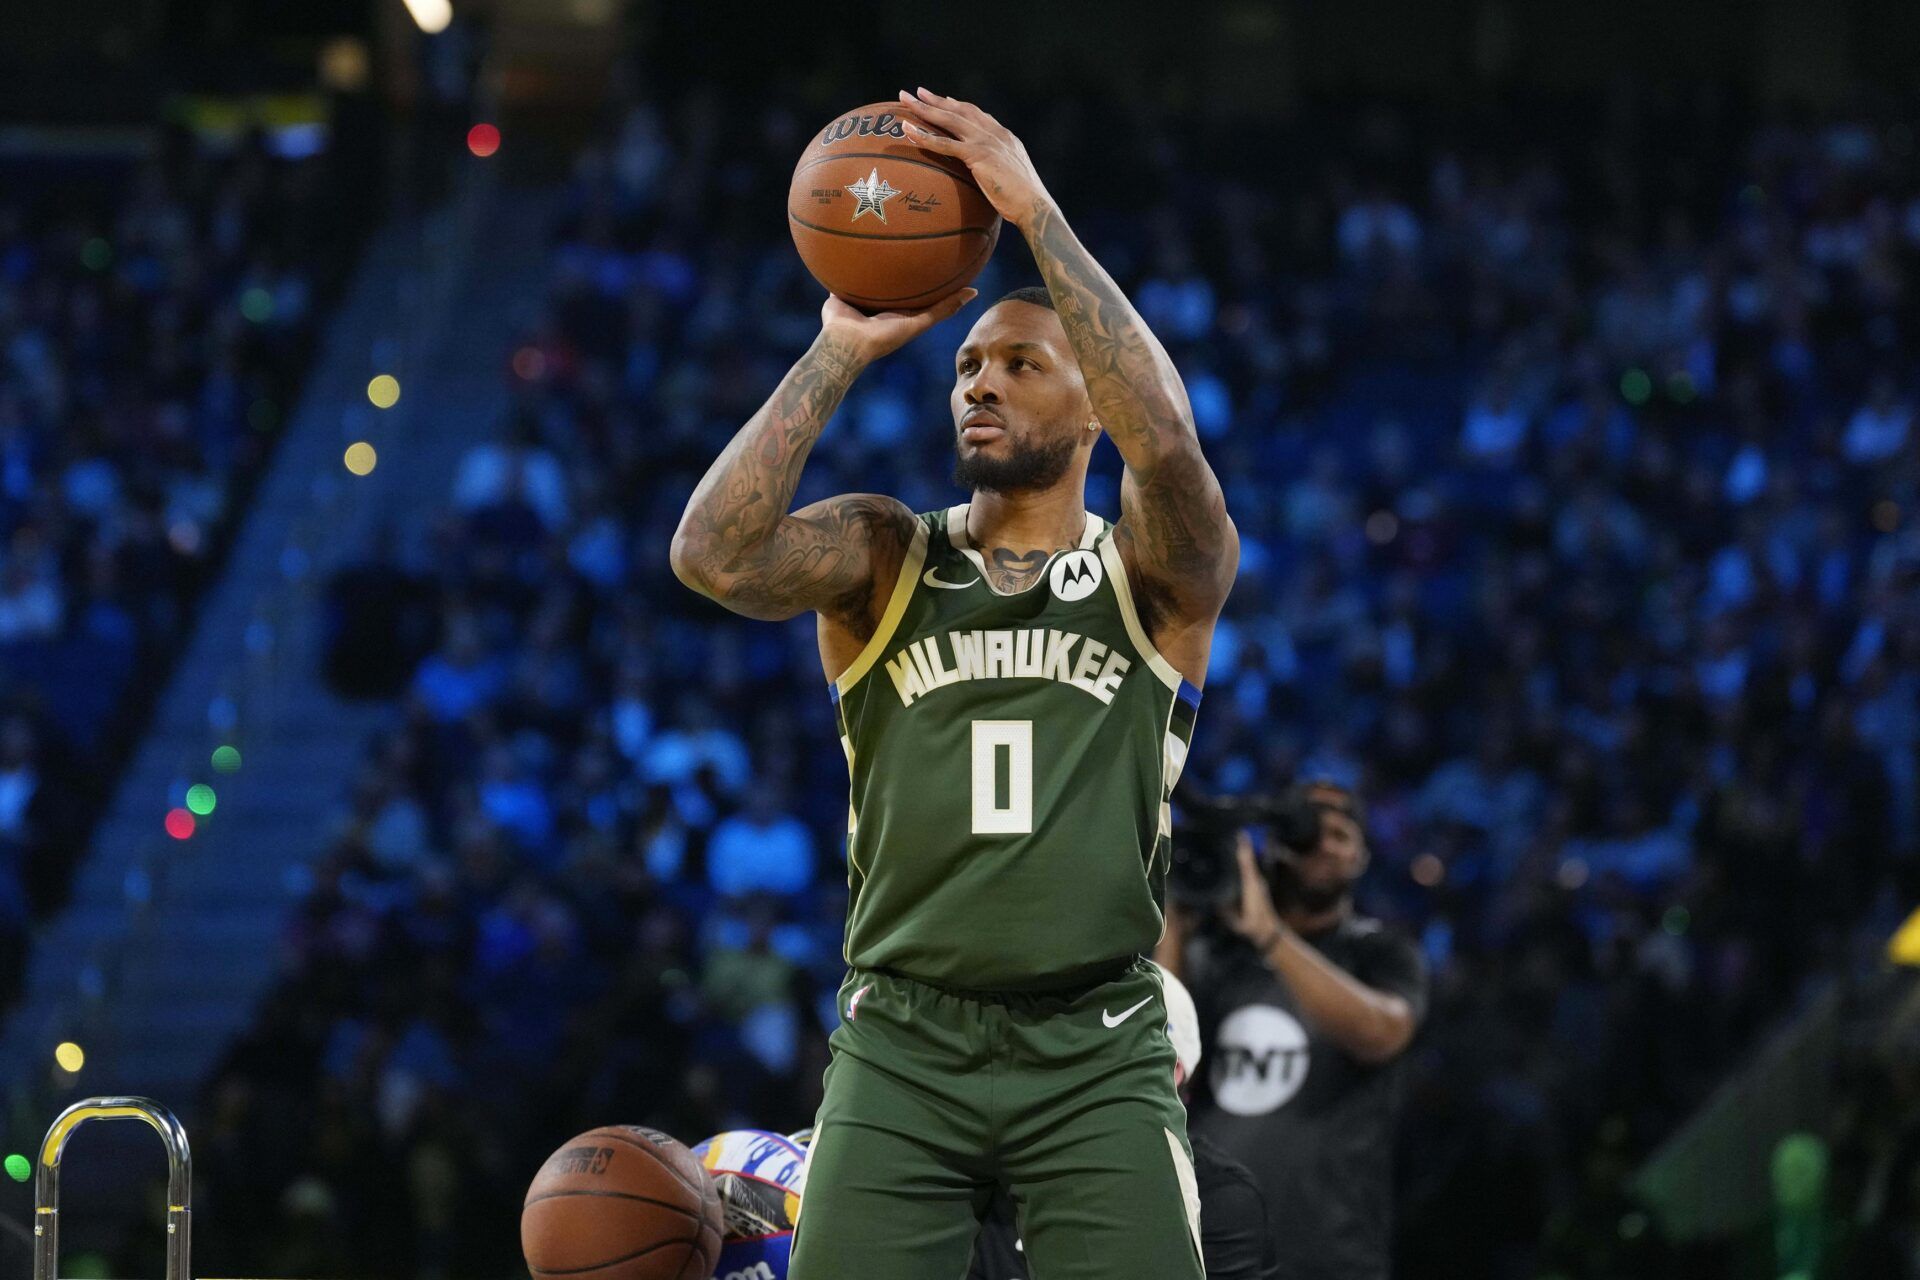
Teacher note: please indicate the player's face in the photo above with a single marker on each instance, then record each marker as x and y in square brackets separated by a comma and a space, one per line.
[1020, 407]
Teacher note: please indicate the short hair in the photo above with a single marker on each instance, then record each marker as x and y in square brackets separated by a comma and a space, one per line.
[1034, 293]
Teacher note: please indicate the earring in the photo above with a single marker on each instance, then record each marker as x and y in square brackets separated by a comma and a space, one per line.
[1093, 426]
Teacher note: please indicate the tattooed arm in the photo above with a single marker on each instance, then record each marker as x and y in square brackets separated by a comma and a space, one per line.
[1174, 531]
[737, 543]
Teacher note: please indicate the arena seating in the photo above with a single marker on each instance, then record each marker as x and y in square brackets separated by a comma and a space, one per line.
[157, 310]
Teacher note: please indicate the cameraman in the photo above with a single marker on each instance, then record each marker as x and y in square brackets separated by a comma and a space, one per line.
[1310, 1007]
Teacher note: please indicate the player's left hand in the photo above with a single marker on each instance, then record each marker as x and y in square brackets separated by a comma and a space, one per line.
[997, 160]
[1253, 917]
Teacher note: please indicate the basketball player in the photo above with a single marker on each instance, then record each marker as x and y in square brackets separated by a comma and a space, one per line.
[1016, 682]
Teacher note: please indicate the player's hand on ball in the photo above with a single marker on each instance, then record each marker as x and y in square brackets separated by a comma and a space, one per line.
[885, 332]
[997, 160]
[1253, 916]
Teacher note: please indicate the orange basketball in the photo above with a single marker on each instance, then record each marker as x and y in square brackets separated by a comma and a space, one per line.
[621, 1203]
[884, 224]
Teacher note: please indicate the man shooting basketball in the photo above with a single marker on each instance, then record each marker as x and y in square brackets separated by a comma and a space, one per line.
[1016, 683]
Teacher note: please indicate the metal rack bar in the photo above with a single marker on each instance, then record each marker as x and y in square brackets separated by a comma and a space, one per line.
[46, 1183]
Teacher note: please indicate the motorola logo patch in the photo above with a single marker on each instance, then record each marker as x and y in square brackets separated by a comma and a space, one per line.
[1075, 575]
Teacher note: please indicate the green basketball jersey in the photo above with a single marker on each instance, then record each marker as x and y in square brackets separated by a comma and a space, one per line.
[1011, 758]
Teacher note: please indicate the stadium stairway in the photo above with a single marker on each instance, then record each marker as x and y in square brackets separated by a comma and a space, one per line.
[168, 945]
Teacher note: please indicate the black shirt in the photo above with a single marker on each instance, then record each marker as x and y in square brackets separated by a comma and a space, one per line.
[1236, 1240]
[1313, 1125]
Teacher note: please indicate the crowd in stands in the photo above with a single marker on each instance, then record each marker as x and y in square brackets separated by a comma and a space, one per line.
[1575, 466]
[156, 313]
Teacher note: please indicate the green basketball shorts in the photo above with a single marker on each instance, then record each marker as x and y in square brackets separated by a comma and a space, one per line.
[935, 1097]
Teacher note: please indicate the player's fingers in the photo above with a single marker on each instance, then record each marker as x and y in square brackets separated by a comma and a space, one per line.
[932, 141]
[953, 302]
[959, 106]
[916, 109]
[981, 117]
[921, 123]
[933, 313]
[936, 109]
[947, 306]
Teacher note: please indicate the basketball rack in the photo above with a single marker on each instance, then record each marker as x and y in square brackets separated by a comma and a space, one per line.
[46, 1182]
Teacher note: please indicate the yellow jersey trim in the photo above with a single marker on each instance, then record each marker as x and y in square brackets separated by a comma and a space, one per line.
[1123, 592]
[896, 606]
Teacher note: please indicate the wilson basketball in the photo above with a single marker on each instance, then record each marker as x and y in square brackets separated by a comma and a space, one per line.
[621, 1203]
[884, 224]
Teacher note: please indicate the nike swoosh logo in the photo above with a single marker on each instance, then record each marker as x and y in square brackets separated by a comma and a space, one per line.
[1112, 1021]
[932, 581]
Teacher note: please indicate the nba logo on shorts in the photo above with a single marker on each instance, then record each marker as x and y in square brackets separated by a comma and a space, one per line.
[1075, 575]
[853, 1005]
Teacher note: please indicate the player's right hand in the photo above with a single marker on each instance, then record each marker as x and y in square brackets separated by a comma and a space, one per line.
[886, 332]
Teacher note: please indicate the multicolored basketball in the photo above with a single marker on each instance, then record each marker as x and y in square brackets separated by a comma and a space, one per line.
[758, 1177]
[882, 223]
[621, 1203]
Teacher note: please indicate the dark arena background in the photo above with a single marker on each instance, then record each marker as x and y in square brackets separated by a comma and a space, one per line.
[373, 795]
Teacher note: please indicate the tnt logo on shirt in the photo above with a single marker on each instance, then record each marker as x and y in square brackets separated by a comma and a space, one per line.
[1260, 1060]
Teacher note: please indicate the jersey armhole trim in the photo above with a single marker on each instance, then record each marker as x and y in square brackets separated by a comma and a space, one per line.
[890, 620]
[1123, 592]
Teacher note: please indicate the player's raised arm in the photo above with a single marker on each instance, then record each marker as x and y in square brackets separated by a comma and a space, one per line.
[1174, 530]
[738, 544]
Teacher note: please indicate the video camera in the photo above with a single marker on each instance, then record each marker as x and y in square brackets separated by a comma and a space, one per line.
[1204, 873]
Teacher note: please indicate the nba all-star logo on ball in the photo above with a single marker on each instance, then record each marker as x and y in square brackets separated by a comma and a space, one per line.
[872, 195]
[885, 223]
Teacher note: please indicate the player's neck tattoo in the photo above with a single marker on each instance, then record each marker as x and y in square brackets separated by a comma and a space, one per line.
[1016, 570]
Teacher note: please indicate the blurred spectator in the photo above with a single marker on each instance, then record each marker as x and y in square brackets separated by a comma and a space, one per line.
[1880, 427]
[460, 677]
[516, 472]
[761, 849]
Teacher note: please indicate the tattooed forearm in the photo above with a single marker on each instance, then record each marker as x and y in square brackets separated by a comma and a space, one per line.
[737, 542]
[1136, 391]
[746, 492]
[1177, 533]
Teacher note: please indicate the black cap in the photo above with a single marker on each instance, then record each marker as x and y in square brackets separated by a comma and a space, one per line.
[1325, 793]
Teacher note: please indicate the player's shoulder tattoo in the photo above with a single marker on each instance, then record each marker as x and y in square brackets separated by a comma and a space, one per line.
[883, 528]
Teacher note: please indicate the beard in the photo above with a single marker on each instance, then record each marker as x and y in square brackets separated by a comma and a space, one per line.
[1289, 890]
[1025, 465]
